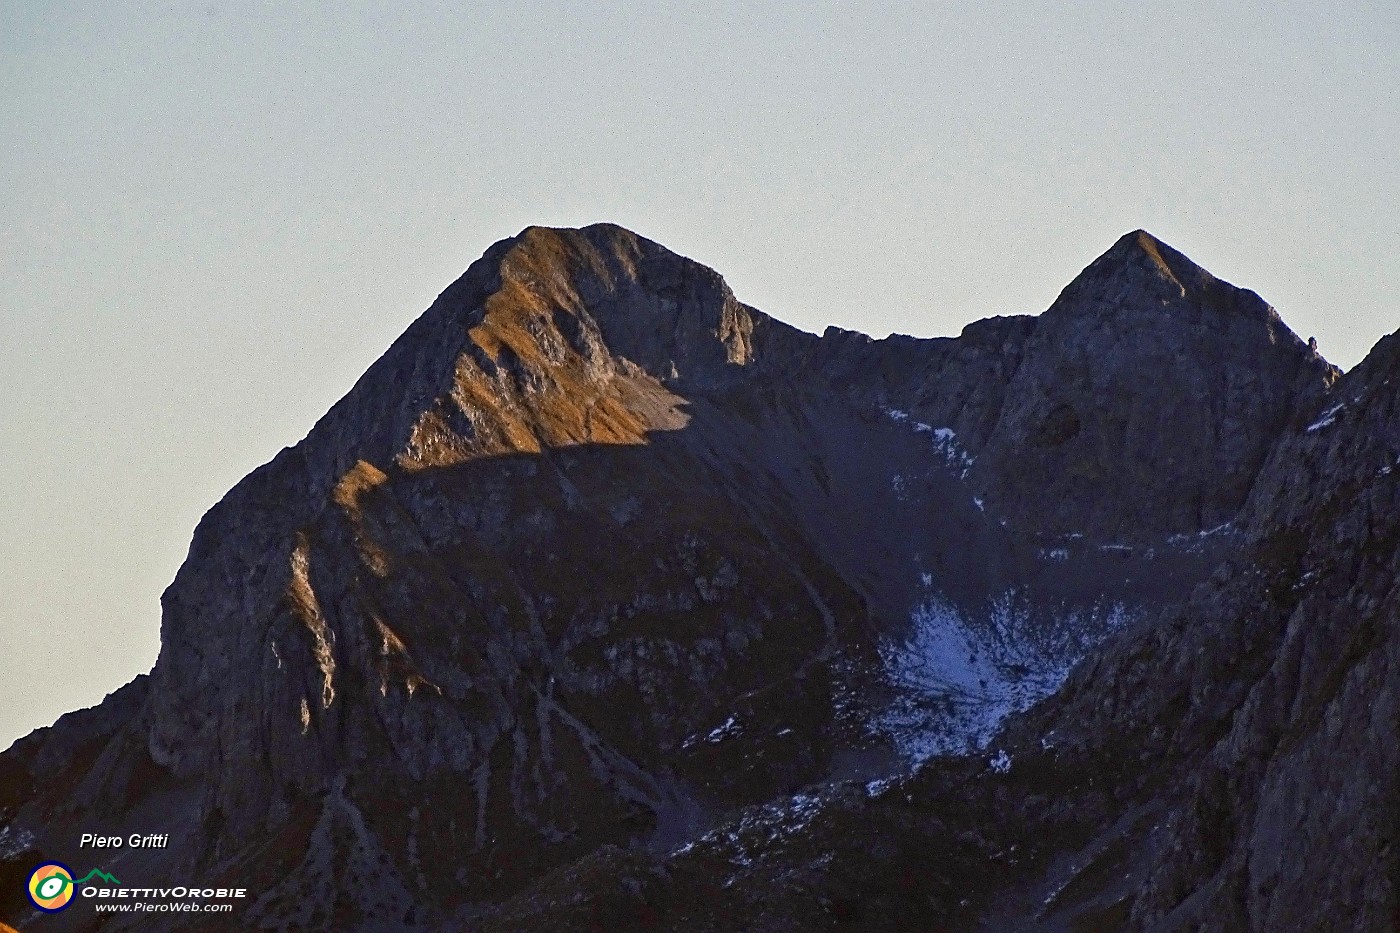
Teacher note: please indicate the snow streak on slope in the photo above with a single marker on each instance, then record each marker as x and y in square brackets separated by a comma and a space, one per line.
[945, 441]
[955, 679]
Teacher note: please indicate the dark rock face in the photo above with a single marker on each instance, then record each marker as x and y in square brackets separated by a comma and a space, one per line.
[1086, 410]
[596, 557]
[1228, 764]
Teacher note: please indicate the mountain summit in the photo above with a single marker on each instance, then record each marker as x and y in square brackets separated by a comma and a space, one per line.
[1143, 267]
[598, 566]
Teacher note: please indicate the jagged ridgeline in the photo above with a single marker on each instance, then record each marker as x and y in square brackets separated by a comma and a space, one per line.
[604, 600]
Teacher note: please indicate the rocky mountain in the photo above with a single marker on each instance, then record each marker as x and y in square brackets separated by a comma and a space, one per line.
[1227, 763]
[604, 600]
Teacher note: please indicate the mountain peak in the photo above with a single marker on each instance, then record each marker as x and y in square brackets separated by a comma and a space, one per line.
[1140, 272]
[1142, 248]
[667, 314]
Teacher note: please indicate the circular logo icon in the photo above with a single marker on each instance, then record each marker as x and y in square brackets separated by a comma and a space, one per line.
[51, 887]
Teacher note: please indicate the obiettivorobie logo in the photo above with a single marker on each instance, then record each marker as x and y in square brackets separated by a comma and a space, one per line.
[51, 885]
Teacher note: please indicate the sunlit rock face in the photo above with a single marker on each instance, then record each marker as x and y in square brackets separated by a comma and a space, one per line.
[596, 556]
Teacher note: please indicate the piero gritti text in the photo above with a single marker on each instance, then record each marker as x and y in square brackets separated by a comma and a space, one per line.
[134, 841]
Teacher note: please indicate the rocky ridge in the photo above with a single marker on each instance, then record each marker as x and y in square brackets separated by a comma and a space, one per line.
[596, 557]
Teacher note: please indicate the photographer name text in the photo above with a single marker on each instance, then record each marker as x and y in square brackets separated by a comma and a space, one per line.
[134, 841]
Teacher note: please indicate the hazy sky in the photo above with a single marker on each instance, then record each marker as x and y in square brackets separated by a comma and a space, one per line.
[214, 216]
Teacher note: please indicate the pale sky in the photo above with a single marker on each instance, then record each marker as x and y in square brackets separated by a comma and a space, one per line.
[215, 216]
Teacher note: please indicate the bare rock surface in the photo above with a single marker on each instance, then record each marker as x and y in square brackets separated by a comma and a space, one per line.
[1227, 763]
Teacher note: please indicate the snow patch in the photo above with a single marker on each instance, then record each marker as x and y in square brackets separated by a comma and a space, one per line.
[12, 843]
[1179, 540]
[761, 828]
[730, 727]
[724, 731]
[945, 441]
[955, 678]
[1327, 418]
[877, 787]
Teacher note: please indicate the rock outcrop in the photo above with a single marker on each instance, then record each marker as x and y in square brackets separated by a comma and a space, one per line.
[597, 561]
[1085, 407]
